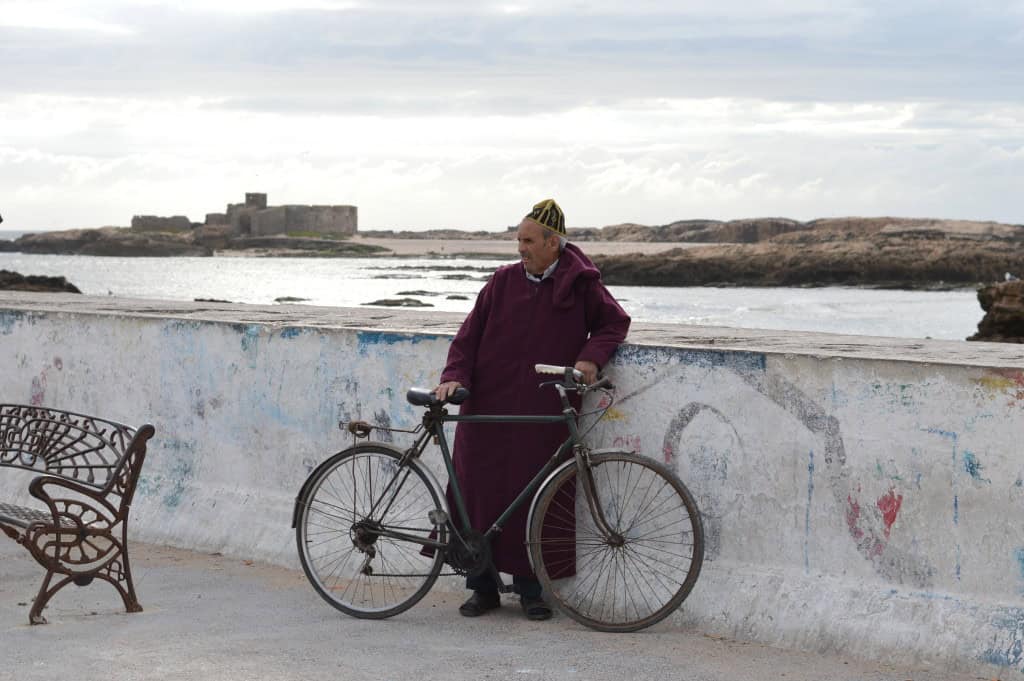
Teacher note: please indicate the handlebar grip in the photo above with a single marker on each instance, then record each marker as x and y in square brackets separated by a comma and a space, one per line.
[549, 369]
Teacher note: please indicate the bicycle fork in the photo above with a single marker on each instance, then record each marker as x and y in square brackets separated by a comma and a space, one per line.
[586, 477]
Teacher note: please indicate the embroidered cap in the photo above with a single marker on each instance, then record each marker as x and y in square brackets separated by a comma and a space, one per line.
[547, 214]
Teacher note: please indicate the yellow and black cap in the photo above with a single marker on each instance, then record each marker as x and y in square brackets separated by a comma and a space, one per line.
[548, 215]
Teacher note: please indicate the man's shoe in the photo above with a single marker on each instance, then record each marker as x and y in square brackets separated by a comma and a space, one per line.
[535, 609]
[479, 603]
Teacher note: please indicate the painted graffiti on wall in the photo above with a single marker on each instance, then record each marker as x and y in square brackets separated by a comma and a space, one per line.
[705, 436]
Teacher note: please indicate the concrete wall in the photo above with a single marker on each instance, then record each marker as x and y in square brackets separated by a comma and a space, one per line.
[852, 502]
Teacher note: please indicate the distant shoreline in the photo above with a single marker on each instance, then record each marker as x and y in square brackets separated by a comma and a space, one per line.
[449, 248]
[898, 253]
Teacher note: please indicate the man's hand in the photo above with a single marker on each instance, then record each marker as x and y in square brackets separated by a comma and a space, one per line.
[445, 390]
[589, 371]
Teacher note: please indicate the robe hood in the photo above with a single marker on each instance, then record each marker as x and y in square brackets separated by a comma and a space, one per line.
[573, 264]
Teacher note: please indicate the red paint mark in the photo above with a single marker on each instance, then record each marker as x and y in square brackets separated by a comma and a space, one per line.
[889, 505]
[853, 517]
[870, 543]
[38, 393]
[631, 442]
[1018, 378]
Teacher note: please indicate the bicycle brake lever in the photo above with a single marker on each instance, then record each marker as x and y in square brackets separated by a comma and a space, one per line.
[602, 383]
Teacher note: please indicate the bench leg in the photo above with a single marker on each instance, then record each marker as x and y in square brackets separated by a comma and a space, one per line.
[35, 615]
[118, 574]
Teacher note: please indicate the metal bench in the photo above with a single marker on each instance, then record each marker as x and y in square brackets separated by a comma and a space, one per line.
[89, 468]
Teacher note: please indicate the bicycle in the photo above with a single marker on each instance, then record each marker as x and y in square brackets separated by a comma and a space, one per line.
[374, 529]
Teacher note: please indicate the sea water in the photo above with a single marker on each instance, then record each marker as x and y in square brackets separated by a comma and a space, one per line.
[452, 285]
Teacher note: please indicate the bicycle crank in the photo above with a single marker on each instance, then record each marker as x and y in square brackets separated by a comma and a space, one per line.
[470, 554]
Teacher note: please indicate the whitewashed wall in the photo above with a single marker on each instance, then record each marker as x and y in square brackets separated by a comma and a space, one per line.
[872, 507]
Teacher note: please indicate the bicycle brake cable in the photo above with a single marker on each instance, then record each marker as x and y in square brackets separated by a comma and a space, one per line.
[603, 410]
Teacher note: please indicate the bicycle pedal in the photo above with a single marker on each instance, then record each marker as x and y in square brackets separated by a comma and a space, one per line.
[438, 517]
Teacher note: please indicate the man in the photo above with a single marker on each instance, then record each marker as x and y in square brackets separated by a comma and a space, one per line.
[551, 308]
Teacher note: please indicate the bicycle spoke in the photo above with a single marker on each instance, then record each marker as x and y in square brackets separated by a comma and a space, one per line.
[639, 574]
[344, 551]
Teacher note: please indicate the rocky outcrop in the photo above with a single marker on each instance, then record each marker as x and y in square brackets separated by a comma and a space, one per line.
[157, 223]
[113, 241]
[400, 302]
[703, 231]
[202, 241]
[307, 246]
[757, 230]
[837, 254]
[1004, 313]
[13, 281]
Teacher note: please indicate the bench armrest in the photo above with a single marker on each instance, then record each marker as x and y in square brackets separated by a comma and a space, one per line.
[70, 506]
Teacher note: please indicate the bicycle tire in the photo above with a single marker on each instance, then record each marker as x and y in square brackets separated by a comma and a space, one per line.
[338, 496]
[609, 587]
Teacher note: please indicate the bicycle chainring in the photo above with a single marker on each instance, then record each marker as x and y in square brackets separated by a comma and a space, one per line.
[471, 556]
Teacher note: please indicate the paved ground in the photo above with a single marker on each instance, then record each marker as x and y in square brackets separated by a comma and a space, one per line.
[211, 617]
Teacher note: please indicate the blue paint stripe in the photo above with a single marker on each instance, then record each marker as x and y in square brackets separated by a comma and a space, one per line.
[738, 360]
[807, 516]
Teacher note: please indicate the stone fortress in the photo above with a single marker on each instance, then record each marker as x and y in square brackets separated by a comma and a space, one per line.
[255, 218]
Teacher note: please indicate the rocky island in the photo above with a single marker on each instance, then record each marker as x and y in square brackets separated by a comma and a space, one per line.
[199, 242]
[877, 252]
[14, 281]
[1003, 304]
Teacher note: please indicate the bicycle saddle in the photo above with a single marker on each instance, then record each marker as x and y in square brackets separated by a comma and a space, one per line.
[424, 397]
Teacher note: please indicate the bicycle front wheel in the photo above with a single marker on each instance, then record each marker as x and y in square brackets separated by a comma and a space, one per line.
[348, 505]
[639, 572]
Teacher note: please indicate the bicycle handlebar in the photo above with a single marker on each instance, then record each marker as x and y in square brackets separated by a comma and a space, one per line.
[572, 376]
[569, 373]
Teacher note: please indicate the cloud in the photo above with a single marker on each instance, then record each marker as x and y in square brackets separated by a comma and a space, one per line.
[642, 111]
[272, 52]
[94, 161]
[55, 16]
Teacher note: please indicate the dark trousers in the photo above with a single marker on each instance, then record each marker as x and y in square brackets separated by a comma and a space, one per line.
[526, 586]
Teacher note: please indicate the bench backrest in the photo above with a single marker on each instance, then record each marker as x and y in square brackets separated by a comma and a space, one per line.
[92, 451]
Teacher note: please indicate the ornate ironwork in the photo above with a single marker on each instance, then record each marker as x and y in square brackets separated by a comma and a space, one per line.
[89, 468]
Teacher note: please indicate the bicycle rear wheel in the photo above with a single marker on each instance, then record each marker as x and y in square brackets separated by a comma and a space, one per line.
[347, 503]
[639, 574]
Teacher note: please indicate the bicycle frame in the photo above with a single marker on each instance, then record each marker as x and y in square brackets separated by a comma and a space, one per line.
[433, 427]
[527, 493]
[433, 422]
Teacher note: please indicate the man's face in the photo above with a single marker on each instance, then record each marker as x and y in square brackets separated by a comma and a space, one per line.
[538, 247]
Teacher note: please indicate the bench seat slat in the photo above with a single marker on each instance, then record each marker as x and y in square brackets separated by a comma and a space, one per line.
[23, 516]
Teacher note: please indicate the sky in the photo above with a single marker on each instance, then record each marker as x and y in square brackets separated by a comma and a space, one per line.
[445, 114]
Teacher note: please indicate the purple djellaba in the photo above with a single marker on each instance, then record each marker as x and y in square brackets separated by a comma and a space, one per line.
[551, 308]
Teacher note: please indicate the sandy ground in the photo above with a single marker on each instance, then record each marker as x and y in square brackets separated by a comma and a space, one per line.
[209, 616]
[507, 247]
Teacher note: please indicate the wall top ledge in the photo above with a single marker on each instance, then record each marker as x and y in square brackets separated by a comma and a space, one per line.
[797, 343]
